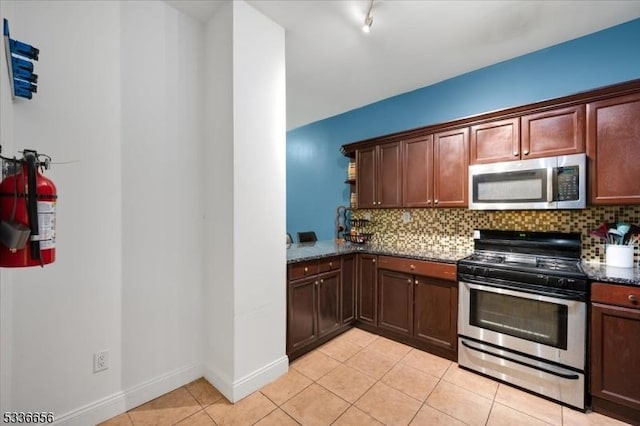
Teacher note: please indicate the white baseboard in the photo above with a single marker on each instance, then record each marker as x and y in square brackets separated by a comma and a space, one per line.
[110, 406]
[120, 402]
[235, 391]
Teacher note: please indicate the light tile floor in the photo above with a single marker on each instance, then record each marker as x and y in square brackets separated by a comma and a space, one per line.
[356, 379]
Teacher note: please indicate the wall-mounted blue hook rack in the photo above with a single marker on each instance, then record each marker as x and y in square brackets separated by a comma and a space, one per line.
[19, 55]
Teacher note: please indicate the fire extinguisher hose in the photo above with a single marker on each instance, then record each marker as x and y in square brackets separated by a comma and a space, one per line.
[32, 205]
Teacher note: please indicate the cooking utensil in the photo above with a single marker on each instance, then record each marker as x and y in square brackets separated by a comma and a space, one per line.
[616, 235]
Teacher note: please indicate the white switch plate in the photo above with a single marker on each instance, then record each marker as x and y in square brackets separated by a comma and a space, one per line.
[406, 217]
[367, 215]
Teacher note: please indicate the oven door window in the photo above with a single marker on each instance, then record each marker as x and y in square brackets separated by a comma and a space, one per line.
[520, 186]
[532, 320]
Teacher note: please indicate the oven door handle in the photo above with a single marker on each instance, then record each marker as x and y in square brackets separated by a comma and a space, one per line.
[545, 370]
[488, 284]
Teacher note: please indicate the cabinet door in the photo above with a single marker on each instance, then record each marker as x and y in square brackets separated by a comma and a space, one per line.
[556, 132]
[389, 177]
[348, 304]
[436, 312]
[615, 355]
[366, 177]
[367, 289]
[417, 172]
[396, 301]
[613, 147]
[495, 141]
[451, 168]
[328, 285]
[302, 313]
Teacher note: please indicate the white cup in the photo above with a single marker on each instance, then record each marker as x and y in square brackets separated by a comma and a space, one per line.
[619, 255]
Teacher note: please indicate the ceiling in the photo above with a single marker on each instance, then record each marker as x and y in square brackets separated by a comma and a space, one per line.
[333, 66]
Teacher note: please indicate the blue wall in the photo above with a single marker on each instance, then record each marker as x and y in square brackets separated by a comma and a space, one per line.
[316, 170]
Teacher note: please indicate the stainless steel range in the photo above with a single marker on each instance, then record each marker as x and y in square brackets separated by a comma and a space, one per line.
[522, 313]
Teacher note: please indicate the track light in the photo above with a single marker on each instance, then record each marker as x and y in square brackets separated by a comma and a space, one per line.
[368, 20]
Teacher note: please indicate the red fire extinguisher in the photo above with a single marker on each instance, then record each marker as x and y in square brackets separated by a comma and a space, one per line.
[27, 213]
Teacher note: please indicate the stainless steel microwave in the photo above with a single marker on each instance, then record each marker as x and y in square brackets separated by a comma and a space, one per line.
[536, 184]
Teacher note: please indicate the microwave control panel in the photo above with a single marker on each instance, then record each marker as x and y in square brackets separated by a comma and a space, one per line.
[566, 183]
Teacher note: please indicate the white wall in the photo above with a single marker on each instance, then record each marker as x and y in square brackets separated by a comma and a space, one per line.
[259, 203]
[245, 142]
[65, 312]
[219, 187]
[169, 231]
[118, 94]
[162, 197]
[6, 141]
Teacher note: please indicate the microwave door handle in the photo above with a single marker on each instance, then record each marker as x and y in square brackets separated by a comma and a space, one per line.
[549, 184]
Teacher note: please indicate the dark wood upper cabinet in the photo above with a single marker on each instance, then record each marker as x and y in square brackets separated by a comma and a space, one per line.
[366, 177]
[555, 132]
[495, 141]
[451, 168]
[379, 176]
[390, 175]
[428, 166]
[417, 172]
[613, 148]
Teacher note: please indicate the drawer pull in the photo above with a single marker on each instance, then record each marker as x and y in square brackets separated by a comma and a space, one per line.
[409, 280]
[316, 282]
[373, 261]
[330, 264]
[412, 267]
[525, 152]
[321, 281]
[633, 298]
[306, 269]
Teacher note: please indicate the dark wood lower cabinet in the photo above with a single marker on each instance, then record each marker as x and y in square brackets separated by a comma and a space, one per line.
[348, 306]
[396, 302]
[436, 312]
[367, 295]
[302, 314]
[615, 351]
[315, 297]
[328, 285]
[418, 304]
[411, 301]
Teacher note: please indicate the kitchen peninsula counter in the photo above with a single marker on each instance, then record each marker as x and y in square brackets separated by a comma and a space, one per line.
[298, 252]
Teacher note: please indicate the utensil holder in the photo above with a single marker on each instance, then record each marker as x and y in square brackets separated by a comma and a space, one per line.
[619, 255]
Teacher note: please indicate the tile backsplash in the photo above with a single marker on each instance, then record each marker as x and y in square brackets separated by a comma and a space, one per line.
[452, 229]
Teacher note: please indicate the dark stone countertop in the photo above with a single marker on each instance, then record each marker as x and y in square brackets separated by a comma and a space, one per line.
[298, 252]
[612, 274]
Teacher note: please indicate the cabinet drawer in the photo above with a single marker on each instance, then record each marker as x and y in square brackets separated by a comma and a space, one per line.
[329, 264]
[303, 269]
[425, 268]
[614, 294]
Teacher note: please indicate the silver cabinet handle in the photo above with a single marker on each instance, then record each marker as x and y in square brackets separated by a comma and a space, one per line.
[525, 152]
[515, 153]
[633, 298]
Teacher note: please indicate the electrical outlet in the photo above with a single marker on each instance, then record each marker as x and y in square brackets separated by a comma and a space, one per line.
[367, 215]
[100, 361]
[406, 217]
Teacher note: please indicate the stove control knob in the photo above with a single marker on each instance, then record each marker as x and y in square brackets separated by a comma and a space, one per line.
[562, 282]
